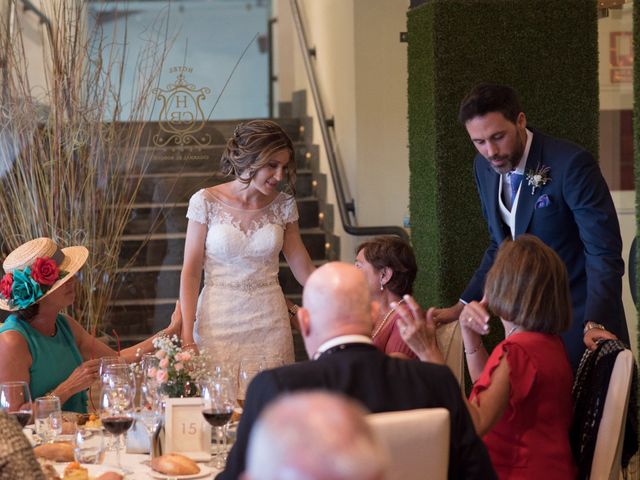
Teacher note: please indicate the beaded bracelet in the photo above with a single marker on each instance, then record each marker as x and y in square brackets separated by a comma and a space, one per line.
[475, 350]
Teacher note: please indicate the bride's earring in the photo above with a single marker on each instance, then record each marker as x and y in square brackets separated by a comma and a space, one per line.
[381, 285]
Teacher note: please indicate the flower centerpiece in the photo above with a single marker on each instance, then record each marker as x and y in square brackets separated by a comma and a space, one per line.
[178, 371]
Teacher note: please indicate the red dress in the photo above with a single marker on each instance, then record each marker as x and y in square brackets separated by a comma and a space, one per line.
[389, 340]
[531, 440]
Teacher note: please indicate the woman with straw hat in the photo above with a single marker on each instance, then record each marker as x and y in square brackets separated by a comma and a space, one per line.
[38, 344]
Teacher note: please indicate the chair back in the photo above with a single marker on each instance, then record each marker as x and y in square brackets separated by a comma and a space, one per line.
[449, 338]
[608, 449]
[417, 442]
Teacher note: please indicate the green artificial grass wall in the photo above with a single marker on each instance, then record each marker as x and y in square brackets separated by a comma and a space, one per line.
[547, 50]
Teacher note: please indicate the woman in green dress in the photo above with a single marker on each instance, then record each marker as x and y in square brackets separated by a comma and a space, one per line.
[39, 344]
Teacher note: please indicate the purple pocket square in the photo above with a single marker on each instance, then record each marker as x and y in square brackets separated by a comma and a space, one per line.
[543, 201]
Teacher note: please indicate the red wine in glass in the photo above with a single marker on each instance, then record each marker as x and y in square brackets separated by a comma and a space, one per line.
[117, 425]
[216, 418]
[23, 417]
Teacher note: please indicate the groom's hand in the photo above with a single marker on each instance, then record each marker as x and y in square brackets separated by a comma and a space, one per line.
[449, 314]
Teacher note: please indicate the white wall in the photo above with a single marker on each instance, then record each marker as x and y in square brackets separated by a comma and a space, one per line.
[362, 73]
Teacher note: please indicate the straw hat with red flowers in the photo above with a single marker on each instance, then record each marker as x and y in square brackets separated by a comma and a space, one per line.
[35, 269]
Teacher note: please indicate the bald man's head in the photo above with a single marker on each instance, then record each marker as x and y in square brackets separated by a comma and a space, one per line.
[336, 302]
[314, 436]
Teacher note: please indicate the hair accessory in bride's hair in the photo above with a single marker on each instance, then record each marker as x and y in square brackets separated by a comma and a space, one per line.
[236, 132]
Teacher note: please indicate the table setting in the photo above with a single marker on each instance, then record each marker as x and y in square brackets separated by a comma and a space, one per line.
[136, 430]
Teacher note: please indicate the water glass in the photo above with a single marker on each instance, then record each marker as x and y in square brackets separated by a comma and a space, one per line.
[48, 418]
[89, 445]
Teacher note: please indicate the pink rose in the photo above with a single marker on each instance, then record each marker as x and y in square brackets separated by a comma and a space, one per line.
[178, 357]
[178, 366]
[45, 271]
[164, 363]
[161, 354]
[186, 356]
[162, 376]
[5, 286]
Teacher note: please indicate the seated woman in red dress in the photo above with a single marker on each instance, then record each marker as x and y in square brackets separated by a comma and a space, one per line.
[521, 399]
[390, 267]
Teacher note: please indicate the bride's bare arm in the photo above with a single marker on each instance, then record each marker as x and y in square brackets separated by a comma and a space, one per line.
[190, 277]
[296, 253]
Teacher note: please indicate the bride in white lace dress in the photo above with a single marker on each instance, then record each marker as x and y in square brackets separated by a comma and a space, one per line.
[236, 232]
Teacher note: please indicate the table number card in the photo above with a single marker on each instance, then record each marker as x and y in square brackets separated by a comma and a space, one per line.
[186, 430]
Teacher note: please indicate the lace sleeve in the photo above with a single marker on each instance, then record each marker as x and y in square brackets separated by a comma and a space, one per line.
[289, 209]
[197, 210]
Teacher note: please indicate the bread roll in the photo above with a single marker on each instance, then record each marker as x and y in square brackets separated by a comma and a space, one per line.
[174, 464]
[110, 476]
[58, 452]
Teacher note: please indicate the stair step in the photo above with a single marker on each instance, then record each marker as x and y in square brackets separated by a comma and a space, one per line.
[162, 217]
[168, 248]
[143, 282]
[204, 159]
[171, 187]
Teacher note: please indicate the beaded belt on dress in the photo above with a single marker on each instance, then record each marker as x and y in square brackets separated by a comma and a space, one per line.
[247, 286]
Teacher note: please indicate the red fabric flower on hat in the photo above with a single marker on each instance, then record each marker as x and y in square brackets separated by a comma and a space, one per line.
[5, 286]
[45, 271]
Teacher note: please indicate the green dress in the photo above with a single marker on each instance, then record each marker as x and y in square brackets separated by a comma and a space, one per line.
[53, 359]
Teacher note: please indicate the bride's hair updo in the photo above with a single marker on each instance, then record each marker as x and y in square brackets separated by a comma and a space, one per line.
[250, 148]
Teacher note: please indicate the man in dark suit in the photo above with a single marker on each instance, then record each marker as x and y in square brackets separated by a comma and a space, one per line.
[335, 323]
[533, 183]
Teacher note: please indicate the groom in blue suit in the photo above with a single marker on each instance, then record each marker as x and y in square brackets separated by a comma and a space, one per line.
[532, 183]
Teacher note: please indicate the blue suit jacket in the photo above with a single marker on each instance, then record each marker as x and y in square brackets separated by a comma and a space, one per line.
[579, 223]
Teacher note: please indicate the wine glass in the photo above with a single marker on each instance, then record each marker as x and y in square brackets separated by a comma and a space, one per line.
[48, 415]
[116, 412]
[117, 373]
[107, 361]
[15, 399]
[149, 383]
[249, 368]
[151, 409]
[217, 408]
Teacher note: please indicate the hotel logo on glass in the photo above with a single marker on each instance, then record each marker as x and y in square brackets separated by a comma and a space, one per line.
[181, 116]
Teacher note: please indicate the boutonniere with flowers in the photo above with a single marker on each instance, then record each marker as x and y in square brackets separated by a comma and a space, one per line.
[178, 371]
[538, 178]
[22, 288]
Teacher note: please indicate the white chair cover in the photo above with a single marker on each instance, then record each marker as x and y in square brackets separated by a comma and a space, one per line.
[417, 442]
[608, 450]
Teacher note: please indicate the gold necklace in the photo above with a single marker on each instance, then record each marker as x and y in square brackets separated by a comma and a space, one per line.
[384, 320]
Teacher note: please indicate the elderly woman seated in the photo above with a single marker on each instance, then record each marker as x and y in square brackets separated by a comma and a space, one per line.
[39, 344]
[521, 398]
[390, 268]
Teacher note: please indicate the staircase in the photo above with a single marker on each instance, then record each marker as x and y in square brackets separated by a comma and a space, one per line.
[151, 258]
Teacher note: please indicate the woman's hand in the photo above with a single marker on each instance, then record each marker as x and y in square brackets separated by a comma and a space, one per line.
[475, 317]
[80, 379]
[418, 330]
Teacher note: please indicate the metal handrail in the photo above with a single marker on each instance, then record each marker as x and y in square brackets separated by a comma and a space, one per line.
[344, 207]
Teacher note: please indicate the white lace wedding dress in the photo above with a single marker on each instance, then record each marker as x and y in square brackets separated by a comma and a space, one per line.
[241, 309]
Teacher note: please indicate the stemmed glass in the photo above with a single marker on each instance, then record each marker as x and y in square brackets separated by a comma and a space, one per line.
[15, 399]
[116, 412]
[151, 404]
[249, 368]
[217, 408]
